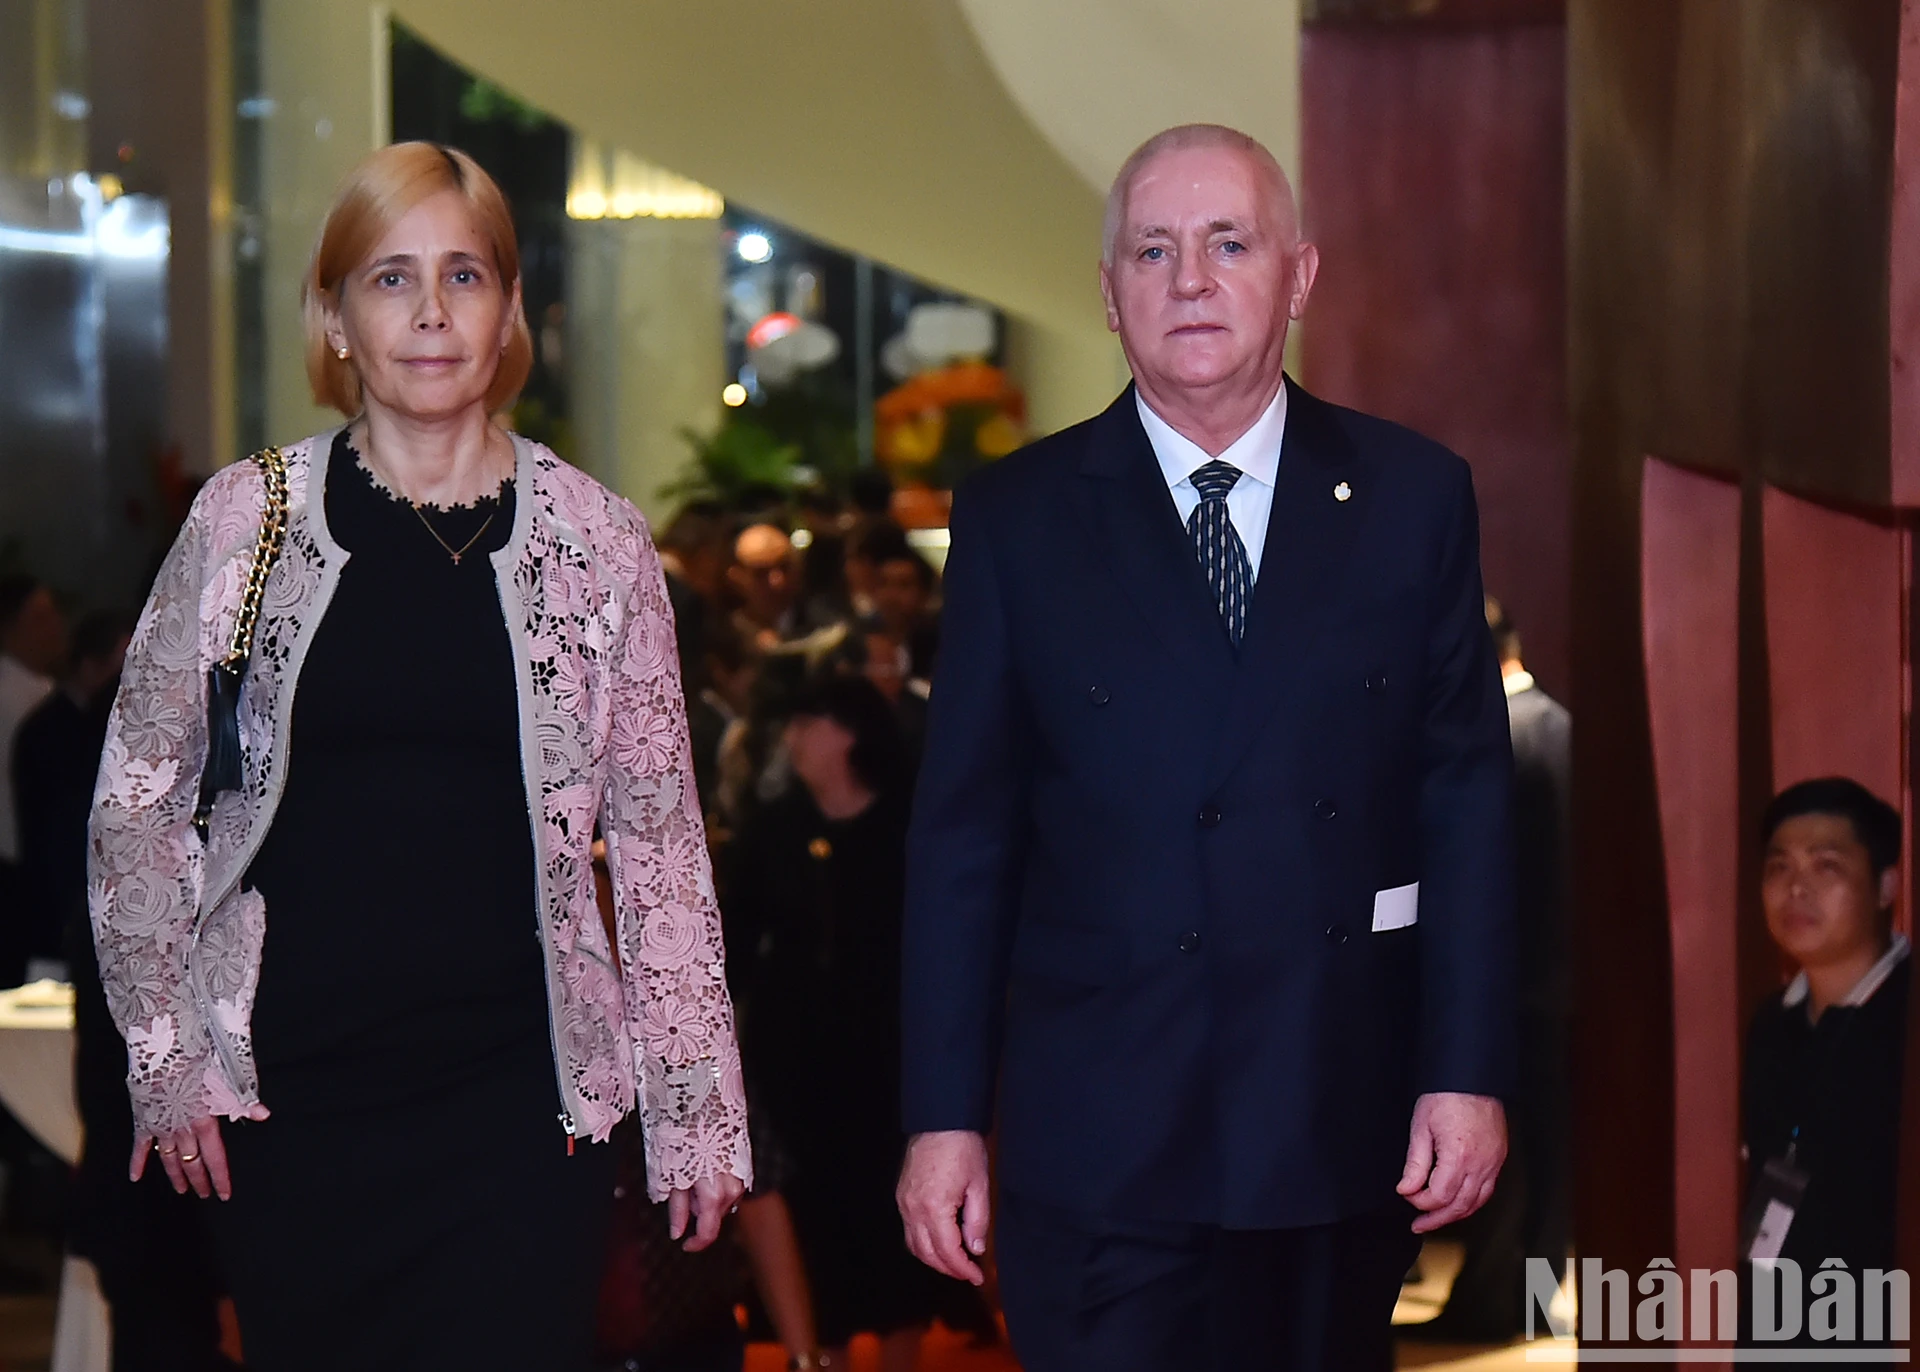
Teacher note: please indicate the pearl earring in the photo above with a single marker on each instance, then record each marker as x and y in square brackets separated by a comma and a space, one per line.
[342, 353]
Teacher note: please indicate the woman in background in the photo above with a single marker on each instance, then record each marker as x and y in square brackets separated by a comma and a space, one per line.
[387, 933]
[815, 899]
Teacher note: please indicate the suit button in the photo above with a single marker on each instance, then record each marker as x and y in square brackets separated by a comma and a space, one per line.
[1099, 695]
[1189, 942]
[1377, 682]
[1325, 809]
[1209, 817]
[1336, 935]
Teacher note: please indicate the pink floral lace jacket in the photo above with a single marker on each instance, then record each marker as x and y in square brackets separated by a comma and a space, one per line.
[603, 737]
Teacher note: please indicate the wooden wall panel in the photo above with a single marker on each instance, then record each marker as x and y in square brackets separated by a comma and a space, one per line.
[1835, 638]
[1903, 291]
[1690, 599]
[1434, 181]
[1818, 133]
[1620, 132]
[1730, 197]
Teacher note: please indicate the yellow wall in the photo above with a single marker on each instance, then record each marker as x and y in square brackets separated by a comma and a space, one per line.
[646, 348]
[1097, 78]
[1067, 376]
[965, 141]
[876, 125]
[325, 67]
[1100, 77]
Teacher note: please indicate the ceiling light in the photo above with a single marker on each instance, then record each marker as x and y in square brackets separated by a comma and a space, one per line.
[605, 183]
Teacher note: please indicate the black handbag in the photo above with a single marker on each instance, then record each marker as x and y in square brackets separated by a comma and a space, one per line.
[221, 771]
[656, 1298]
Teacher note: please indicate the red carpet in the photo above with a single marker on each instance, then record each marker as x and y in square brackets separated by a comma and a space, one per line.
[942, 1352]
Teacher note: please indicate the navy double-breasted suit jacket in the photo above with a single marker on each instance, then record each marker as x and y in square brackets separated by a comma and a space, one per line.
[1144, 865]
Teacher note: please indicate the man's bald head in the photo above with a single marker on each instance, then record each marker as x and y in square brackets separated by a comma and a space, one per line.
[1180, 139]
[1203, 270]
[762, 545]
[762, 575]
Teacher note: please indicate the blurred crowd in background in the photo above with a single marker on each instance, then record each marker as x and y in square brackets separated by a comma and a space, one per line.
[808, 629]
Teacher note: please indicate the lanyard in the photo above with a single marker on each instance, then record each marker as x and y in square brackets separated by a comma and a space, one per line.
[1821, 1077]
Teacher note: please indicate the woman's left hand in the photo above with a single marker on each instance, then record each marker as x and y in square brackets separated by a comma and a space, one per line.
[710, 1200]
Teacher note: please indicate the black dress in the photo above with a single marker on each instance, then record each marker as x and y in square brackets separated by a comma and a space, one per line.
[412, 1202]
[814, 909]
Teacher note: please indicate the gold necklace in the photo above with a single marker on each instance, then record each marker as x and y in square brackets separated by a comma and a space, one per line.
[421, 515]
[464, 547]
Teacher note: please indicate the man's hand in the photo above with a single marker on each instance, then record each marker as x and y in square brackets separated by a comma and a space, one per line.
[943, 1201]
[1453, 1157]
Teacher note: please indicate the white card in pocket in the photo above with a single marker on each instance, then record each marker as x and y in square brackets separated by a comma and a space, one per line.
[1396, 909]
[1771, 1235]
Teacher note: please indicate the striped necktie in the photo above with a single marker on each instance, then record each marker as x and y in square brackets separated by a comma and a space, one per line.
[1217, 544]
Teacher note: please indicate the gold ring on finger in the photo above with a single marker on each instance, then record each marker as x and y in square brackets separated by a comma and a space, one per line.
[188, 1157]
[166, 1151]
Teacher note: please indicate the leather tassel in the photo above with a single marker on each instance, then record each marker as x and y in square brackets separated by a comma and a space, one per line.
[222, 770]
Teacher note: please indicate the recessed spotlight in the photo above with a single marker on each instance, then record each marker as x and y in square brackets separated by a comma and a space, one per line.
[754, 247]
[734, 395]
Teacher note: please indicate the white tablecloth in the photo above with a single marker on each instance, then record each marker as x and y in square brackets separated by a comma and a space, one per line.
[36, 1064]
[36, 1084]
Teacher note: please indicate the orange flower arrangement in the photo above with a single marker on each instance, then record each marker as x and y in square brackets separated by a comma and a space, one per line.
[935, 427]
[962, 383]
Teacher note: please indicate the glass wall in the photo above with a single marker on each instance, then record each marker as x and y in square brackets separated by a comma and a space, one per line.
[690, 348]
[88, 493]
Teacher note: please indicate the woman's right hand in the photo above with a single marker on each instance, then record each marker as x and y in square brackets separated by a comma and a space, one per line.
[193, 1156]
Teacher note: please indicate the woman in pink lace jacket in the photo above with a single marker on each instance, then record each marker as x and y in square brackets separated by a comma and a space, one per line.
[370, 1002]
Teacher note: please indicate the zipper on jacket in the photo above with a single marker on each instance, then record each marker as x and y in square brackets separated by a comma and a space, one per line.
[553, 1020]
[553, 1030]
[215, 1034]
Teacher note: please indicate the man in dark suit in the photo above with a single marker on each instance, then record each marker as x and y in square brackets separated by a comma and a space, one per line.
[1209, 905]
[1530, 1212]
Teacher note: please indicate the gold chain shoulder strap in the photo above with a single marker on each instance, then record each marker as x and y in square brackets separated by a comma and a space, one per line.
[222, 768]
[266, 551]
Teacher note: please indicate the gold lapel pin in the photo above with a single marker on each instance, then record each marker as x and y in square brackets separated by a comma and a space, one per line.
[1343, 492]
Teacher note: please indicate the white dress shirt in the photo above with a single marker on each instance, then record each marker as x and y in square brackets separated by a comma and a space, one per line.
[1863, 989]
[1256, 453]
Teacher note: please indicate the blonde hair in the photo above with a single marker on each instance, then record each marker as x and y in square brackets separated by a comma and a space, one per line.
[376, 195]
[1178, 139]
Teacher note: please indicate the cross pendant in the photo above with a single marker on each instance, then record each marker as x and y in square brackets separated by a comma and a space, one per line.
[456, 559]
